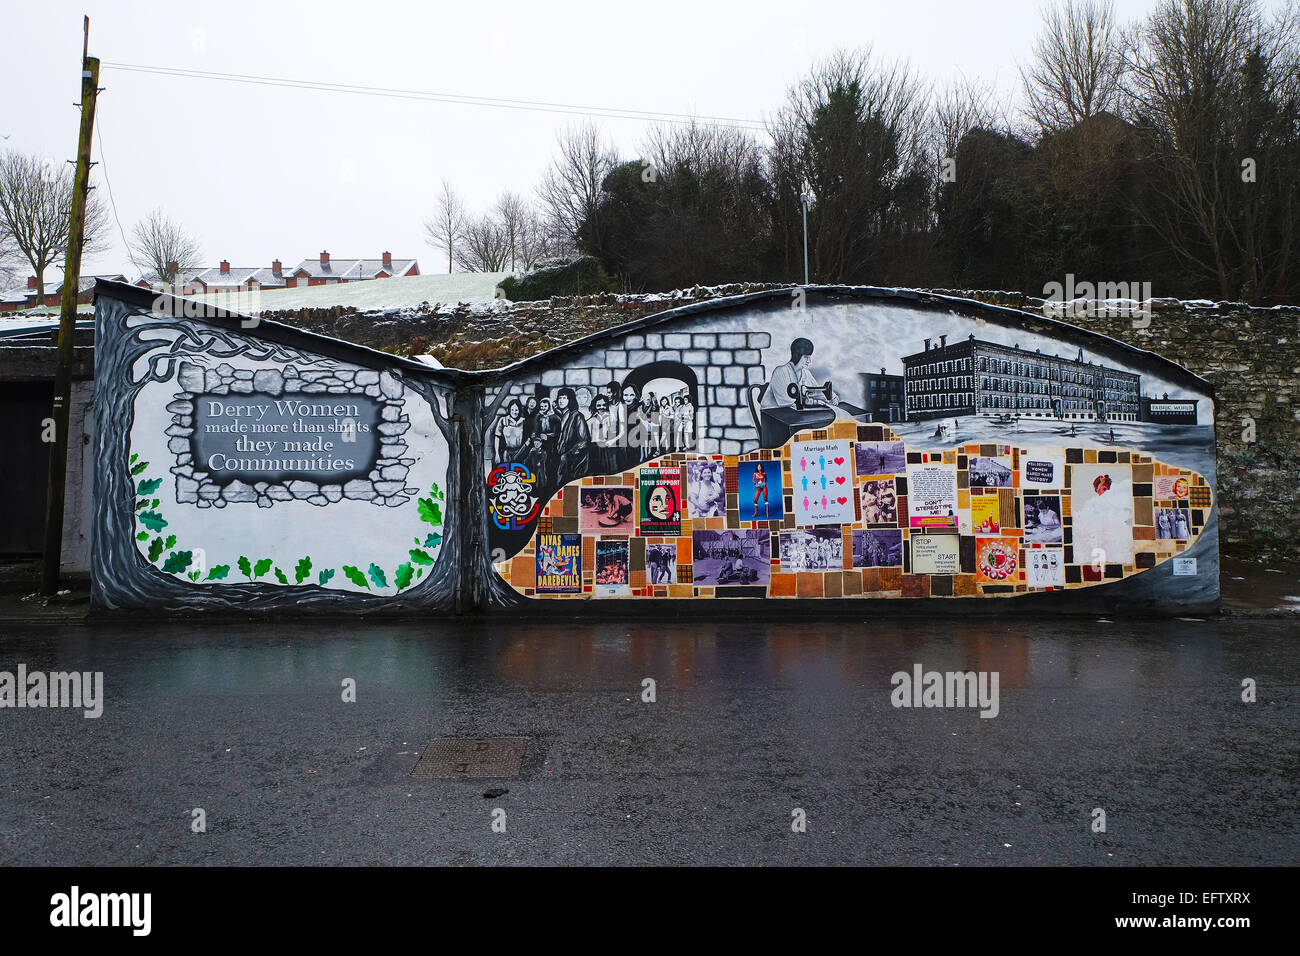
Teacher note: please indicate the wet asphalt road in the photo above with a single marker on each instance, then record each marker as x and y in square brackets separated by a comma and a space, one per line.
[751, 721]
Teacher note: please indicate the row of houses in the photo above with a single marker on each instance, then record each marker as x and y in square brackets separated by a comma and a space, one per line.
[27, 296]
[319, 270]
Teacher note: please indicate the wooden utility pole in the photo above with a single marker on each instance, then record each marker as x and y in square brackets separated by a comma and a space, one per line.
[68, 324]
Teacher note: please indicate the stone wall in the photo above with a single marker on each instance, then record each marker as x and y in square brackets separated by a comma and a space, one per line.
[481, 336]
[385, 484]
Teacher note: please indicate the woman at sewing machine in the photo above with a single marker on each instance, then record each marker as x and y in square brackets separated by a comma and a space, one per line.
[793, 384]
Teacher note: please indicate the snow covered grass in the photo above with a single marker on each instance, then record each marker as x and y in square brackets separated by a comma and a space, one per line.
[39, 318]
[377, 294]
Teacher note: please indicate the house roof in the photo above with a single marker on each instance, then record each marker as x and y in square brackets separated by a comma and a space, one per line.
[237, 276]
[398, 267]
[351, 268]
[19, 295]
[86, 283]
[268, 278]
[213, 278]
[151, 278]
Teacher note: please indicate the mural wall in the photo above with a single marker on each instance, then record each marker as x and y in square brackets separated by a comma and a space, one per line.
[245, 469]
[831, 444]
[850, 446]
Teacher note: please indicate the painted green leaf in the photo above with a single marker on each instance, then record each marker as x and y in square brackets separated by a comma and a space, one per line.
[139, 468]
[152, 520]
[171, 542]
[262, 567]
[402, 577]
[420, 557]
[325, 576]
[355, 576]
[142, 536]
[279, 576]
[142, 503]
[218, 573]
[156, 548]
[194, 575]
[302, 570]
[433, 540]
[431, 512]
[419, 572]
[134, 456]
[177, 562]
[156, 503]
[245, 567]
[377, 575]
[148, 486]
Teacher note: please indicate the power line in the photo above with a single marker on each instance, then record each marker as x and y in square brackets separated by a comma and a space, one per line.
[103, 165]
[437, 97]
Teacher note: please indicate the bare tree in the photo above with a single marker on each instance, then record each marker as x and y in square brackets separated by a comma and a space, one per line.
[446, 227]
[698, 147]
[162, 247]
[570, 189]
[483, 246]
[36, 208]
[558, 241]
[10, 257]
[512, 215]
[783, 169]
[537, 241]
[512, 236]
[1076, 65]
[694, 209]
[1213, 83]
[962, 106]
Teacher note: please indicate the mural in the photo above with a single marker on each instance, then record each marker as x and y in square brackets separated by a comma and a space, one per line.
[868, 446]
[843, 444]
[242, 470]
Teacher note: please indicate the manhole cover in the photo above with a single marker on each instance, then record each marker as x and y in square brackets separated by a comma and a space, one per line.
[450, 758]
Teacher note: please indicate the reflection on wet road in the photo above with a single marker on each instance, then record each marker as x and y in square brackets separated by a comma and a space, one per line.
[750, 721]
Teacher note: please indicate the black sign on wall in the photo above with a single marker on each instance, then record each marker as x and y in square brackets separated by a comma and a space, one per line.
[320, 438]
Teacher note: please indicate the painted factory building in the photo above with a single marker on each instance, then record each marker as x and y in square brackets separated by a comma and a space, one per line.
[976, 377]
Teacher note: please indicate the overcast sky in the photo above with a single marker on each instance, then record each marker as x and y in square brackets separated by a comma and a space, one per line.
[258, 172]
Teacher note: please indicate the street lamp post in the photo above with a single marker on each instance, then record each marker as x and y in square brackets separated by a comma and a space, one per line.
[804, 198]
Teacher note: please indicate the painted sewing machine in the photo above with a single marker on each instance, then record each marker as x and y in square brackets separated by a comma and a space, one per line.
[811, 396]
[814, 407]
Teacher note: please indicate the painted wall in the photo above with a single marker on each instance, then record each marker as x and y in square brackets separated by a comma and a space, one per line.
[1012, 499]
[716, 451]
[238, 466]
